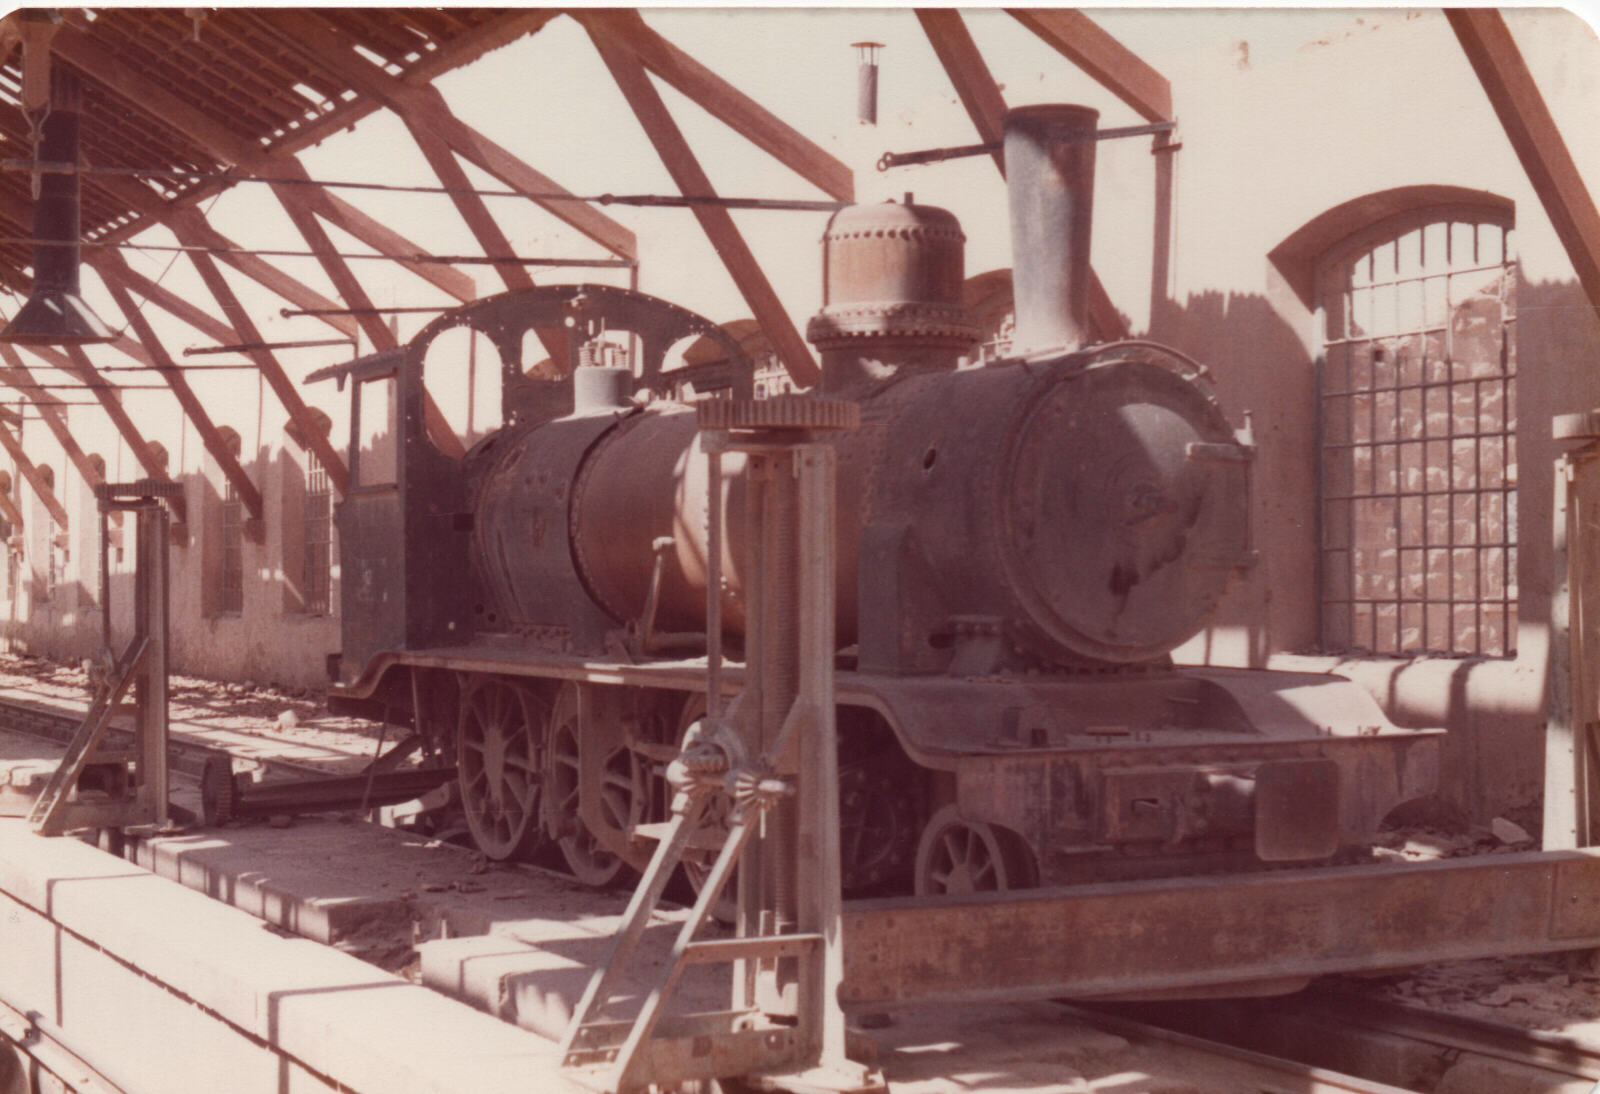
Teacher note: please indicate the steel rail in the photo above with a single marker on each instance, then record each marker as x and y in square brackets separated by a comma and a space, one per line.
[34, 720]
[1304, 1076]
[1479, 1036]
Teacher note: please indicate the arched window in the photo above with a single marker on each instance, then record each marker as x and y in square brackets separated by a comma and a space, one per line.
[1417, 419]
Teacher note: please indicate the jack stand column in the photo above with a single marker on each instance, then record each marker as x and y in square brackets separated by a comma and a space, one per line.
[1572, 734]
[773, 752]
[98, 785]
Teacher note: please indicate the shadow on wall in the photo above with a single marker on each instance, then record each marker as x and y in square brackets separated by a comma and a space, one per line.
[271, 637]
[1495, 708]
[1261, 368]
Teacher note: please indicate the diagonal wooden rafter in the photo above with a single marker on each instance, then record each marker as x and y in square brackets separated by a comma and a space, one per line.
[423, 105]
[18, 375]
[30, 471]
[480, 222]
[210, 436]
[627, 30]
[951, 41]
[469, 205]
[986, 106]
[271, 370]
[715, 220]
[107, 394]
[12, 513]
[155, 210]
[105, 68]
[122, 343]
[1533, 133]
[110, 265]
[1118, 69]
[378, 332]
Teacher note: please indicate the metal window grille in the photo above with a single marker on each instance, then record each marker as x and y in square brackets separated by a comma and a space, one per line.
[52, 569]
[319, 538]
[231, 593]
[1418, 467]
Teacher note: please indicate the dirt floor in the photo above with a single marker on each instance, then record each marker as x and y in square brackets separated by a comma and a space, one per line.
[297, 715]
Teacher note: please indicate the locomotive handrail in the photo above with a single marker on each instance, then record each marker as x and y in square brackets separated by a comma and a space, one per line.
[383, 362]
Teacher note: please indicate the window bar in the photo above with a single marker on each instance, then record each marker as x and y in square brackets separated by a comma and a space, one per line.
[1477, 513]
[1398, 510]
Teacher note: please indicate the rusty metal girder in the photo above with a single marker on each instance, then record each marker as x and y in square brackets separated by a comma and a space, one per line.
[1195, 933]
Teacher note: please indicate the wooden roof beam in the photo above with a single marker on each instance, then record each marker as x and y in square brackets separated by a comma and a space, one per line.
[386, 241]
[378, 332]
[18, 375]
[122, 343]
[986, 106]
[948, 35]
[105, 68]
[1534, 136]
[267, 276]
[40, 485]
[423, 105]
[271, 370]
[12, 513]
[714, 220]
[626, 30]
[110, 400]
[480, 222]
[210, 436]
[110, 265]
[1118, 69]
[138, 198]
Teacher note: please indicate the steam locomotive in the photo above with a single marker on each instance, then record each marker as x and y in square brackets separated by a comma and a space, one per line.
[1021, 543]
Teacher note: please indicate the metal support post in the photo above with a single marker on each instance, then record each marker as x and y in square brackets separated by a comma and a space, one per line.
[93, 786]
[1572, 734]
[773, 752]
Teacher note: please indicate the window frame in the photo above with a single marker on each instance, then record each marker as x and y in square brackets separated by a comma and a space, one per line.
[1328, 276]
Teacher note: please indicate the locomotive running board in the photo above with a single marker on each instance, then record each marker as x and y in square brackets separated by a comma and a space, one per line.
[1123, 939]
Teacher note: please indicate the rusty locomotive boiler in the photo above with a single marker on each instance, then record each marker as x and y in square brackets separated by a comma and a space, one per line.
[1022, 542]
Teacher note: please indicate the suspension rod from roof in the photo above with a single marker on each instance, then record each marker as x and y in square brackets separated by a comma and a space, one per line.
[448, 260]
[25, 404]
[290, 313]
[245, 347]
[243, 366]
[50, 167]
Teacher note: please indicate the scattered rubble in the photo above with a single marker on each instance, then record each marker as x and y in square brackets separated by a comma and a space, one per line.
[1549, 992]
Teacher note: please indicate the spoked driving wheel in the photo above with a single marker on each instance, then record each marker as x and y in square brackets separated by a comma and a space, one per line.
[961, 856]
[500, 743]
[624, 796]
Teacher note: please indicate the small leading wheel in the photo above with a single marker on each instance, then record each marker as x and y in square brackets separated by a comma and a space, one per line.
[961, 856]
[500, 742]
[624, 795]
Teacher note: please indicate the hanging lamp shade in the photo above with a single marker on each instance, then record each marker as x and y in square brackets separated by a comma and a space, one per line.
[56, 314]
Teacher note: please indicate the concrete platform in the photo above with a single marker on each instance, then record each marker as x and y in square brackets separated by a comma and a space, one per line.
[162, 989]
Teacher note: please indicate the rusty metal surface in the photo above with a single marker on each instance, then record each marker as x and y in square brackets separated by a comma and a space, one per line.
[1050, 184]
[1192, 933]
[55, 313]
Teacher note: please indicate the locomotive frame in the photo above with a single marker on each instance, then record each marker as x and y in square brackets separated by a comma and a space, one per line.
[981, 755]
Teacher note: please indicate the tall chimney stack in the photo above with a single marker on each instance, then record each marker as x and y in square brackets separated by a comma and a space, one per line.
[55, 314]
[1049, 152]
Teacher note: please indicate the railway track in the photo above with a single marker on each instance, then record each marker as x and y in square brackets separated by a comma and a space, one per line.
[1266, 1074]
[1407, 1047]
[58, 723]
